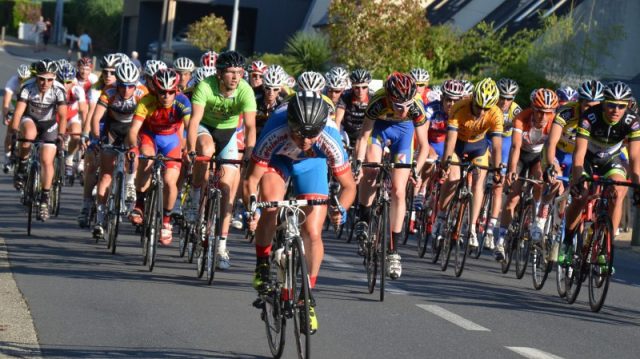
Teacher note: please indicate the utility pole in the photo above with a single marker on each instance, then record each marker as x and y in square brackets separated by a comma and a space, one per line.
[58, 22]
[171, 17]
[234, 25]
[163, 23]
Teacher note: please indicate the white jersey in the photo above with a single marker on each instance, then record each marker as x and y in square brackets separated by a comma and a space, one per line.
[11, 88]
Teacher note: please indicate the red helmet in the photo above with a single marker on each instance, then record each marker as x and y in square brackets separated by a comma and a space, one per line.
[208, 59]
[400, 87]
[85, 61]
[166, 79]
[258, 66]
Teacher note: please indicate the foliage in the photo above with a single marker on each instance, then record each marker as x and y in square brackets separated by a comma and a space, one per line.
[278, 59]
[307, 52]
[209, 33]
[372, 33]
[101, 19]
[528, 78]
[25, 11]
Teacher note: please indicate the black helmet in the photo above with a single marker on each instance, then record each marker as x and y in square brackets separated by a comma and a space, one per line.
[229, 59]
[307, 114]
[360, 76]
[617, 91]
[45, 66]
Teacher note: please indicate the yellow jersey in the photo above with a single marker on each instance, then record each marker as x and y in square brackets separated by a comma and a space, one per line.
[470, 129]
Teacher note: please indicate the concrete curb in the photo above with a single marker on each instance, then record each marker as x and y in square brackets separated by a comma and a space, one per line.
[18, 338]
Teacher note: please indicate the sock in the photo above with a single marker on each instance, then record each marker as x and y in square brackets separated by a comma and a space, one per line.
[502, 232]
[365, 214]
[195, 195]
[140, 199]
[68, 159]
[166, 216]
[394, 241]
[262, 253]
[130, 178]
[222, 244]
[492, 222]
[312, 281]
[262, 260]
[44, 197]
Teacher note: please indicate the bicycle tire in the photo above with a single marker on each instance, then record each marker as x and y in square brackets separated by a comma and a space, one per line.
[184, 238]
[422, 238]
[201, 235]
[146, 224]
[599, 277]
[384, 236]
[483, 222]
[573, 274]
[450, 223]
[541, 263]
[191, 242]
[56, 188]
[213, 231]
[462, 242]
[113, 222]
[408, 213]
[509, 249]
[371, 257]
[436, 241]
[273, 315]
[31, 187]
[302, 298]
[351, 220]
[156, 226]
[523, 245]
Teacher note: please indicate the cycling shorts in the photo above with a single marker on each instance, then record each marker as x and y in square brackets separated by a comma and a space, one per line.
[527, 160]
[116, 132]
[224, 139]
[616, 164]
[398, 136]
[309, 176]
[47, 130]
[438, 148]
[506, 148]
[167, 145]
[476, 152]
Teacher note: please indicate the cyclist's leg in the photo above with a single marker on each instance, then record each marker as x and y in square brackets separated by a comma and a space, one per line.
[228, 186]
[204, 147]
[28, 131]
[616, 170]
[402, 152]
[374, 154]
[74, 126]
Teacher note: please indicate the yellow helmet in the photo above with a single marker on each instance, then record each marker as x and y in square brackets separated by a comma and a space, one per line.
[486, 93]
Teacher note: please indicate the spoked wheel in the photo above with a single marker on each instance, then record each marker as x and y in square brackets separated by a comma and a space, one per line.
[212, 239]
[156, 225]
[113, 221]
[184, 238]
[523, 245]
[56, 188]
[509, 248]
[31, 192]
[211, 260]
[541, 260]
[573, 274]
[450, 224]
[191, 238]
[274, 319]
[302, 299]
[463, 233]
[423, 233]
[482, 224]
[201, 257]
[434, 243]
[383, 240]
[351, 222]
[600, 264]
[371, 256]
[409, 212]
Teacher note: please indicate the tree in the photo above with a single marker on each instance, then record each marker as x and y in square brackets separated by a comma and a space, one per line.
[209, 33]
[307, 52]
[100, 18]
[26, 11]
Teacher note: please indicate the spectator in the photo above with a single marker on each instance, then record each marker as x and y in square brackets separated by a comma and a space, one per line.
[84, 44]
[135, 60]
[47, 33]
[39, 28]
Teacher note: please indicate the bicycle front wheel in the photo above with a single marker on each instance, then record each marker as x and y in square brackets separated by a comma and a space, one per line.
[409, 212]
[212, 236]
[301, 289]
[447, 241]
[383, 244]
[31, 192]
[482, 223]
[523, 245]
[463, 233]
[600, 264]
[573, 273]
[371, 255]
[113, 222]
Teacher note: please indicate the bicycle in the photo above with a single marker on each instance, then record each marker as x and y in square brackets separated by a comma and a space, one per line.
[593, 245]
[116, 207]
[57, 182]
[186, 220]
[209, 219]
[482, 223]
[428, 217]
[378, 241]
[32, 189]
[287, 293]
[459, 217]
[153, 209]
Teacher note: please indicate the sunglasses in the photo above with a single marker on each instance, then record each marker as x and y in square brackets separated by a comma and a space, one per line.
[256, 76]
[402, 106]
[359, 87]
[421, 84]
[613, 105]
[45, 79]
[272, 89]
[109, 72]
[128, 86]
[167, 93]
[334, 91]
[66, 82]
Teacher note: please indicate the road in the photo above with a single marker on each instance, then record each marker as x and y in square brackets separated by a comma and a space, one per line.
[87, 303]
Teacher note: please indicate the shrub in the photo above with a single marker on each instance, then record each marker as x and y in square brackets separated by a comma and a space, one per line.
[307, 52]
[209, 33]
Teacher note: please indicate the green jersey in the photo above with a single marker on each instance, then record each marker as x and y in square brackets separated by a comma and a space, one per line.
[223, 112]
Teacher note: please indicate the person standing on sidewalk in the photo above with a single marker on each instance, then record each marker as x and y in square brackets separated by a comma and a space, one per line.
[46, 34]
[84, 44]
[39, 28]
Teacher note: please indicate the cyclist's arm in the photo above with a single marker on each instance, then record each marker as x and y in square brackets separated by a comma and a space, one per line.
[554, 137]
[252, 178]
[367, 127]
[578, 158]
[348, 185]
[496, 150]
[21, 106]
[422, 132]
[6, 101]
[62, 113]
[634, 157]
[514, 153]
[197, 111]
[95, 120]
[450, 144]
[132, 136]
[249, 132]
[339, 116]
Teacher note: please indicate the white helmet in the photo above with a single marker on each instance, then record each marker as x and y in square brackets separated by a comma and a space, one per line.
[274, 76]
[202, 73]
[311, 81]
[152, 66]
[420, 75]
[24, 72]
[468, 87]
[334, 81]
[184, 64]
[127, 72]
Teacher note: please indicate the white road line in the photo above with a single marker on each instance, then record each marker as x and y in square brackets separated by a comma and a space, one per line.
[533, 353]
[452, 317]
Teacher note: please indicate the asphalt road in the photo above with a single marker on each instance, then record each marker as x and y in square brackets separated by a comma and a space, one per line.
[87, 303]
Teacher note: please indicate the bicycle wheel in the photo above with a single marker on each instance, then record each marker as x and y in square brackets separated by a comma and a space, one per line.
[573, 274]
[191, 242]
[200, 247]
[212, 237]
[184, 224]
[297, 267]
[600, 263]
[371, 255]
[273, 316]
[56, 188]
[461, 247]
[409, 212]
[156, 226]
[541, 261]
[422, 237]
[523, 245]
[447, 240]
[113, 208]
[383, 240]
[482, 223]
[147, 220]
[31, 194]
[510, 242]
[435, 243]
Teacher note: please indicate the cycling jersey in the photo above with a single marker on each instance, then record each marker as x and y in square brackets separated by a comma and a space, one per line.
[263, 112]
[567, 117]
[437, 118]
[533, 139]
[161, 120]
[75, 96]
[119, 109]
[606, 138]
[380, 108]
[353, 113]
[219, 111]
[42, 108]
[471, 129]
[96, 91]
[508, 118]
[87, 84]
[11, 88]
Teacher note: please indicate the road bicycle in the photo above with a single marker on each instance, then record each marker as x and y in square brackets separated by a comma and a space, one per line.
[116, 207]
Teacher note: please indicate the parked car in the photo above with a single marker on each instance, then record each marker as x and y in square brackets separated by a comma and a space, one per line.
[180, 46]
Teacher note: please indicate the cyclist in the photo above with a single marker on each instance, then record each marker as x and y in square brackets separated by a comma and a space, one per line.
[8, 103]
[566, 94]
[150, 68]
[184, 66]
[421, 77]
[199, 74]
[76, 114]
[157, 127]
[352, 105]
[217, 103]
[39, 101]
[530, 132]
[255, 75]
[208, 59]
[602, 129]
[393, 116]
[299, 143]
[85, 76]
[470, 121]
[270, 97]
[337, 80]
[119, 105]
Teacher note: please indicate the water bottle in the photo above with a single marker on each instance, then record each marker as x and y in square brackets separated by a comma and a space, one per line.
[278, 260]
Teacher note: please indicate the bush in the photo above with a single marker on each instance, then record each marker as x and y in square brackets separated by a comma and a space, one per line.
[25, 11]
[278, 59]
[307, 52]
[101, 19]
[209, 33]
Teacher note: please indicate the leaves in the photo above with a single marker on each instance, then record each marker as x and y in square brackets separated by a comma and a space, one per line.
[209, 33]
[307, 52]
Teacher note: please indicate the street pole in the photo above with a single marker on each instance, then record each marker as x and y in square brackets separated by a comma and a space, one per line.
[234, 25]
[163, 22]
[57, 23]
[171, 16]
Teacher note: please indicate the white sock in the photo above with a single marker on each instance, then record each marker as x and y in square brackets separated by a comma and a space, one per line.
[130, 178]
[222, 244]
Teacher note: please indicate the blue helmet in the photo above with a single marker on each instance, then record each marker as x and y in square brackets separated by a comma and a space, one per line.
[66, 73]
[567, 94]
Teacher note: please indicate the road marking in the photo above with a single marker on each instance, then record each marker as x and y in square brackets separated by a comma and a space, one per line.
[533, 353]
[453, 317]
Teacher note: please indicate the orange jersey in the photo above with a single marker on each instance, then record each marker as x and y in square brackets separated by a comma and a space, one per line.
[470, 129]
[533, 139]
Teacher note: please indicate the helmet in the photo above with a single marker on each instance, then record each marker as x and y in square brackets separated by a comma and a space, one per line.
[400, 87]
[258, 66]
[435, 94]
[307, 114]
[202, 73]
[291, 81]
[591, 91]
[453, 89]
[166, 80]
[544, 99]
[45, 66]
[184, 64]
[336, 82]
[84, 61]
[152, 66]
[633, 105]
[61, 62]
[311, 81]
[360, 76]
[229, 59]
[66, 73]
[339, 72]
[274, 76]
[468, 87]
[127, 73]
[24, 72]
[566, 93]
[421, 76]
[110, 61]
[617, 91]
[486, 93]
[123, 57]
[508, 88]
[208, 59]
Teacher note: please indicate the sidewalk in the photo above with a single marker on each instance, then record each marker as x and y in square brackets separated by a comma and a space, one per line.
[24, 49]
